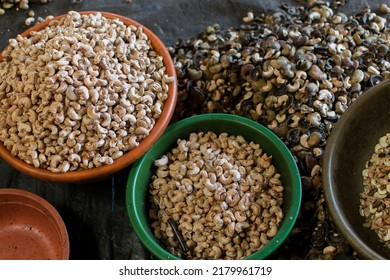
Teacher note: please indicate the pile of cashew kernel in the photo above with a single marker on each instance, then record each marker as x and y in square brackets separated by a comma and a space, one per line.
[80, 93]
[374, 199]
[223, 192]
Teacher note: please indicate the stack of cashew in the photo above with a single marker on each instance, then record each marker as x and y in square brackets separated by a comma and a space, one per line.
[223, 192]
[79, 93]
[374, 200]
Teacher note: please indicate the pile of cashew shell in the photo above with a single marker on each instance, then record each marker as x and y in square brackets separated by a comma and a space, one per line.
[223, 192]
[80, 93]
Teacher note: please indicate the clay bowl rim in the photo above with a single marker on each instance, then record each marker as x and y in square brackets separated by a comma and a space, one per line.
[47, 208]
[105, 171]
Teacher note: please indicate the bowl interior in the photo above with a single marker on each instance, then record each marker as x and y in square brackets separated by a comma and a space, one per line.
[349, 146]
[105, 171]
[30, 228]
[136, 196]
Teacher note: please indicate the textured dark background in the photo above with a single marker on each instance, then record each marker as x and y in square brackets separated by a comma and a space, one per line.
[95, 214]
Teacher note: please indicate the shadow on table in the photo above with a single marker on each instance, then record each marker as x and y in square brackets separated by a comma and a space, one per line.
[83, 244]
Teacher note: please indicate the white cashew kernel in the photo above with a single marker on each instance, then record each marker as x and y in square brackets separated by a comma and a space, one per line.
[203, 184]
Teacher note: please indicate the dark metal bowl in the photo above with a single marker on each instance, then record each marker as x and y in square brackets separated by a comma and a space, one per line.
[349, 147]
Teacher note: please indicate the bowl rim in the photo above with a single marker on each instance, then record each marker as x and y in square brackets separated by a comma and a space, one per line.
[48, 209]
[105, 171]
[330, 191]
[290, 216]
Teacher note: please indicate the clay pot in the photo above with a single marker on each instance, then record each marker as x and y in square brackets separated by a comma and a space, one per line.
[106, 171]
[30, 228]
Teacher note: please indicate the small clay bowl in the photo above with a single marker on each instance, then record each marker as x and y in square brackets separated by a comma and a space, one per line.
[350, 145]
[106, 171]
[30, 228]
[140, 174]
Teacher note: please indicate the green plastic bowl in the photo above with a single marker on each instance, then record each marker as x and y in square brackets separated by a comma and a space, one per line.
[139, 177]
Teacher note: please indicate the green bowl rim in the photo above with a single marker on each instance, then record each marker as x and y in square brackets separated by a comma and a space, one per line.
[286, 227]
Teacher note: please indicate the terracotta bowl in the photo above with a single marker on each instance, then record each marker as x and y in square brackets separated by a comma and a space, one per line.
[30, 228]
[127, 159]
[348, 148]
